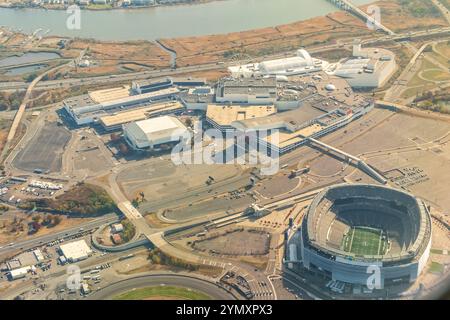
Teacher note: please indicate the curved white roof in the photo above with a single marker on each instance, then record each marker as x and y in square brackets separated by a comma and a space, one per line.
[274, 66]
[302, 53]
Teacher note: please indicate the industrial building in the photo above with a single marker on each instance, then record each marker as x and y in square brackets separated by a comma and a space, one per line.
[322, 105]
[151, 133]
[302, 63]
[116, 228]
[146, 86]
[189, 82]
[25, 259]
[306, 122]
[89, 108]
[247, 91]
[19, 273]
[297, 108]
[393, 234]
[222, 116]
[75, 251]
[115, 121]
[368, 68]
[198, 98]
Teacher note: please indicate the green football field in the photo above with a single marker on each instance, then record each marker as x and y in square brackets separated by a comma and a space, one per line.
[365, 241]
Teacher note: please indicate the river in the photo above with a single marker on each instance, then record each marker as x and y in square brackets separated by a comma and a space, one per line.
[215, 17]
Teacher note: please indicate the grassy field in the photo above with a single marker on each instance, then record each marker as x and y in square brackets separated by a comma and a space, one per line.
[161, 293]
[436, 267]
[436, 75]
[364, 241]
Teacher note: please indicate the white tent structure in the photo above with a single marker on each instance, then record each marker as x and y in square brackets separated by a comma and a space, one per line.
[301, 63]
[148, 133]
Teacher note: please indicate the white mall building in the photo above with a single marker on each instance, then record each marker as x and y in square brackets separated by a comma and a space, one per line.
[147, 134]
[302, 63]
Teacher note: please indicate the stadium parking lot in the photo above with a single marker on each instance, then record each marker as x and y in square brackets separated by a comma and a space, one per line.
[44, 151]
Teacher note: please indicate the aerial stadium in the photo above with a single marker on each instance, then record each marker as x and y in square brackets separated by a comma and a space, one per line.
[349, 228]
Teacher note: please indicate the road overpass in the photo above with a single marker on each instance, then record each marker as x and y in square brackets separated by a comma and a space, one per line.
[168, 279]
[98, 80]
[37, 241]
[361, 164]
[350, 7]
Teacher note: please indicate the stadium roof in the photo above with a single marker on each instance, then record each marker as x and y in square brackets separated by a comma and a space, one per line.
[414, 220]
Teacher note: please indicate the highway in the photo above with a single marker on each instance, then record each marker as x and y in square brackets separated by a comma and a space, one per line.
[140, 223]
[349, 6]
[393, 94]
[37, 241]
[98, 80]
[212, 290]
[445, 12]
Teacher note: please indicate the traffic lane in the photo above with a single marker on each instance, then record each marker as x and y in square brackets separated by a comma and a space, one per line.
[212, 290]
[208, 207]
[24, 245]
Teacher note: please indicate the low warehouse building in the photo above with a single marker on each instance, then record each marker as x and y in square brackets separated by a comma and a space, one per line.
[116, 228]
[76, 251]
[89, 108]
[19, 273]
[146, 86]
[151, 133]
[247, 91]
[115, 121]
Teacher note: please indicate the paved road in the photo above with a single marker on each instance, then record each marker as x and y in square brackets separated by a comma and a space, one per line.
[445, 12]
[53, 84]
[22, 107]
[195, 284]
[35, 241]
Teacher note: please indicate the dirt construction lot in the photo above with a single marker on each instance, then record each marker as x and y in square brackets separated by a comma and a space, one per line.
[161, 177]
[238, 242]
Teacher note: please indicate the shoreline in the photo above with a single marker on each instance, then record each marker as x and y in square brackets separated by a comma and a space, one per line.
[18, 6]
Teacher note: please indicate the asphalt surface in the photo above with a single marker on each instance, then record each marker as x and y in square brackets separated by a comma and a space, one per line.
[36, 241]
[52, 84]
[195, 284]
[45, 150]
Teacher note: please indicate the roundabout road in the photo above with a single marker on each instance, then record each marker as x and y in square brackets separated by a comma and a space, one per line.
[208, 288]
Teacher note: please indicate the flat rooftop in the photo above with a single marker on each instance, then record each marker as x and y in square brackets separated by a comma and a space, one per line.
[294, 119]
[158, 124]
[139, 113]
[224, 115]
[75, 250]
[188, 80]
[152, 82]
[102, 96]
[84, 107]
[290, 138]
[247, 86]
[79, 101]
